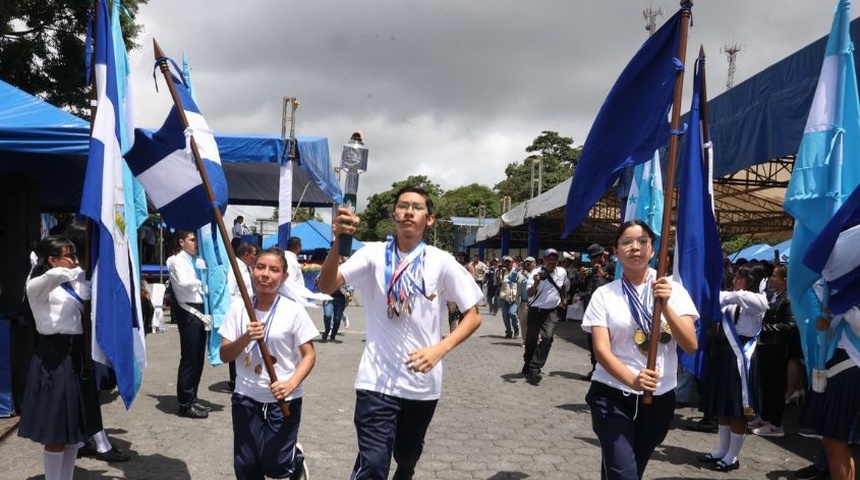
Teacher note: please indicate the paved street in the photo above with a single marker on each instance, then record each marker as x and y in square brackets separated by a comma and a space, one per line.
[490, 423]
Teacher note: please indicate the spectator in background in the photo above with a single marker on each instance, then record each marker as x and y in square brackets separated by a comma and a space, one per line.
[479, 273]
[547, 289]
[601, 272]
[294, 268]
[509, 297]
[239, 229]
[246, 253]
[523, 275]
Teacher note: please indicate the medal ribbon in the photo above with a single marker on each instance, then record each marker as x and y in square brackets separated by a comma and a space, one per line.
[640, 307]
[267, 322]
[403, 277]
[79, 302]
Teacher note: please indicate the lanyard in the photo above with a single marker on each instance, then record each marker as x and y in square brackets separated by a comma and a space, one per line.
[640, 307]
[79, 302]
[402, 277]
[268, 321]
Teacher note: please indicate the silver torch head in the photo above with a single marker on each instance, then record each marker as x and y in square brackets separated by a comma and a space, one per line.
[354, 156]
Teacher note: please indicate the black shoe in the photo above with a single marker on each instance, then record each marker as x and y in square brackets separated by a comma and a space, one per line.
[525, 370]
[403, 474]
[722, 466]
[535, 378]
[201, 407]
[811, 472]
[114, 455]
[192, 412]
[705, 425]
[509, 335]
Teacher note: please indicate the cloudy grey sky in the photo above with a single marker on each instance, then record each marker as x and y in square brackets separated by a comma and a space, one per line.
[455, 90]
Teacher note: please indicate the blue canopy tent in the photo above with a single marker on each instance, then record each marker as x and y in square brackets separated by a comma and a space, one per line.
[315, 236]
[749, 252]
[51, 145]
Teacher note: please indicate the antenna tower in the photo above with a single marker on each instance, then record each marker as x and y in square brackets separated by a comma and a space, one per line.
[731, 50]
[651, 19]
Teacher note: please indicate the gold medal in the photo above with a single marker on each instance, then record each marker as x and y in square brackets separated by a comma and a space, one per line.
[639, 337]
[247, 360]
[258, 369]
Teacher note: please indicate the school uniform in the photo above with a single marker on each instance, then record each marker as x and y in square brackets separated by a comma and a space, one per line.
[628, 429]
[185, 279]
[53, 409]
[264, 441]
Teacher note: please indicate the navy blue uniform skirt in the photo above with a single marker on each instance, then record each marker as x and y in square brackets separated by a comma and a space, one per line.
[53, 410]
[721, 390]
[834, 413]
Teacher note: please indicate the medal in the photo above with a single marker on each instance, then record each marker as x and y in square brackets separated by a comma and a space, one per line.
[247, 360]
[639, 337]
[665, 333]
[258, 369]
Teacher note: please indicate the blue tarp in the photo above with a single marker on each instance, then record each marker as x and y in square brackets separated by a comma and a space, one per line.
[50, 144]
[315, 236]
[763, 117]
[748, 252]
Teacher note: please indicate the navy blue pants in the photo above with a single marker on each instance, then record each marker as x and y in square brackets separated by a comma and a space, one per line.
[264, 442]
[628, 430]
[387, 425]
[192, 351]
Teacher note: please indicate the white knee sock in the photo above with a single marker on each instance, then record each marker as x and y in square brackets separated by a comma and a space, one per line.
[102, 443]
[735, 448]
[53, 465]
[70, 454]
[724, 432]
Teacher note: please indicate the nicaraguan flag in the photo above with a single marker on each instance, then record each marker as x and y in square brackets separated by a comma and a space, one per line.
[821, 178]
[164, 164]
[115, 303]
[834, 254]
[698, 253]
[632, 123]
[285, 202]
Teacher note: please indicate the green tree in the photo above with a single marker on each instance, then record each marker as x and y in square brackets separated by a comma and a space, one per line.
[42, 47]
[558, 159]
[468, 201]
[376, 218]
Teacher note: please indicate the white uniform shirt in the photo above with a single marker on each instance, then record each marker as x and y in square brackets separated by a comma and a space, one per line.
[852, 317]
[547, 296]
[233, 285]
[294, 268]
[54, 309]
[753, 307]
[389, 340]
[187, 287]
[609, 308]
[291, 328]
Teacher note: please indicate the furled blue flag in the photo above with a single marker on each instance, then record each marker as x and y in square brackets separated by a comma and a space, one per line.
[213, 250]
[632, 123]
[163, 163]
[698, 253]
[285, 201]
[834, 255]
[116, 311]
[821, 179]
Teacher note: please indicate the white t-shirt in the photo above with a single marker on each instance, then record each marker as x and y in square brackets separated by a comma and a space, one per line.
[609, 308]
[291, 328]
[547, 296]
[753, 307]
[389, 340]
[294, 268]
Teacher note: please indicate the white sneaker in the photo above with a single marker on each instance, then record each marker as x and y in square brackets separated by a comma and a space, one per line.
[768, 430]
[756, 423]
[345, 321]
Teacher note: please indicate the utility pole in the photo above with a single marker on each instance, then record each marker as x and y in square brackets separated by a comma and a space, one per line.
[651, 19]
[731, 50]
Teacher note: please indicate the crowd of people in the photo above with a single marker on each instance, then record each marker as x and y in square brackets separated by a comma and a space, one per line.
[753, 363]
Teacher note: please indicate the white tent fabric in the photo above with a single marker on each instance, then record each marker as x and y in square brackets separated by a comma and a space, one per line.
[552, 199]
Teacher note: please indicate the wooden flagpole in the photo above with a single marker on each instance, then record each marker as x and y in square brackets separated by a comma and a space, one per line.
[163, 64]
[669, 190]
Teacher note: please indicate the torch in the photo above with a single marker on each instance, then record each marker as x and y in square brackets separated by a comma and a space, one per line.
[353, 161]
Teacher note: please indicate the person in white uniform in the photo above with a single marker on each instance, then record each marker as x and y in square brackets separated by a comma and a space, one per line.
[264, 441]
[619, 318]
[404, 284]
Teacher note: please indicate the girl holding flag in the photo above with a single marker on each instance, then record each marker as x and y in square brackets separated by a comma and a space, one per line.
[618, 317]
[726, 389]
[54, 413]
[264, 441]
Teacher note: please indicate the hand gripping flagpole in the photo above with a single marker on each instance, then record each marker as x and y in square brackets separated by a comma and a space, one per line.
[663, 258]
[162, 62]
[353, 161]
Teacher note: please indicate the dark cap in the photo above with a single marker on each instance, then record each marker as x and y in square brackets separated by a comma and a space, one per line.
[550, 251]
[595, 250]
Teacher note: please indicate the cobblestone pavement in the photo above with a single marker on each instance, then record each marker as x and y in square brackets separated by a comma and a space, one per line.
[490, 423]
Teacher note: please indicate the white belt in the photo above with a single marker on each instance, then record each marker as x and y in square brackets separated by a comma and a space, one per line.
[206, 319]
[839, 368]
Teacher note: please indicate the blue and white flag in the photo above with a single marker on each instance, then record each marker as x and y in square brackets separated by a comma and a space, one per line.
[645, 199]
[825, 172]
[632, 123]
[116, 313]
[164, 164]
[834, 255]
[213, 251]
[698, 253]
[285, 202]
